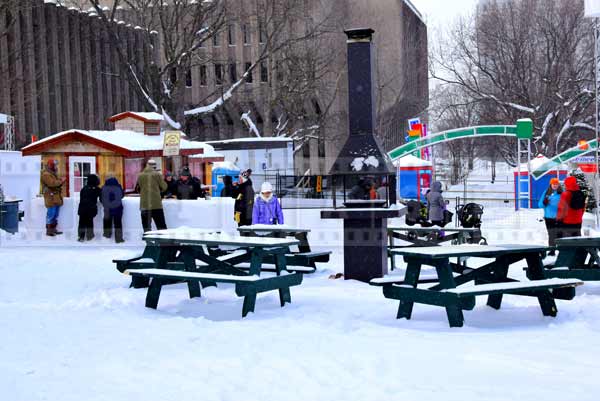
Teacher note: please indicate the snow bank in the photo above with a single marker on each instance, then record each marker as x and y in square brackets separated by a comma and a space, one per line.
[20, 176]
[216, 213]
[411, 161]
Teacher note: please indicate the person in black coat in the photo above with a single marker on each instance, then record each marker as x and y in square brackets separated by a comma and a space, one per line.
[244, 199]
[228, 190]
[111, 199]
[188, 187]
[171, 191]
[88, 208]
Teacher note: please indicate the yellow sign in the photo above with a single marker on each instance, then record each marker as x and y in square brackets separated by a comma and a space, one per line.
[319, 188]
[171, 143]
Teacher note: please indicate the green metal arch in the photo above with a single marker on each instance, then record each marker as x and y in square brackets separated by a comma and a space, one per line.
[450, 135]
[563, 157]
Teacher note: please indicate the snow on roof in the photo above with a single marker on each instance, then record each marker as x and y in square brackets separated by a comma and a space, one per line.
[535, 163]
[133, 141]
[411, 161]
[226, 165]
[144, 116]
[254, 139]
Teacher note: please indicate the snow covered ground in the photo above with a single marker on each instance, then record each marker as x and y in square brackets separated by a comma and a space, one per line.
[71, 329]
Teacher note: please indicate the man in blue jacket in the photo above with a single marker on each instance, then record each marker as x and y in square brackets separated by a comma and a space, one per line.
[549, 202]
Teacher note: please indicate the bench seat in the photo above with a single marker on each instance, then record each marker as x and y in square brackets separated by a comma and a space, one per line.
[423, 279]
[245, 286]
[513, 287]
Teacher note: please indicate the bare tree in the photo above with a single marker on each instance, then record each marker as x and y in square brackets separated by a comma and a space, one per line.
[524, 58]
[177, 32]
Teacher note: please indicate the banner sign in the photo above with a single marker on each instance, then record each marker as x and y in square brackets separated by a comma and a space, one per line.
[171, 143]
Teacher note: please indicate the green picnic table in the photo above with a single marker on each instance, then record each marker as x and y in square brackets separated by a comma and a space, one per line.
[429, 236]
[578, 257]
[175, 258]
[449, 289]
[305, 256]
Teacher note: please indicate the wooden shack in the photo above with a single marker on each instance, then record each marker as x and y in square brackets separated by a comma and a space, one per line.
[121, 153]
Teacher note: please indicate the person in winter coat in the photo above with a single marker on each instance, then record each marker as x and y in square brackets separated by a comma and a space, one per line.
[382, 189]
[88, 208]
[150, 184]
[188, 187]
[267, 209]
[53, 200]
[244, 199]
[549, 202]
[571, 207]
[228, 190]
[360, 191]
[111, 199]
[436, 204]
[171, 191]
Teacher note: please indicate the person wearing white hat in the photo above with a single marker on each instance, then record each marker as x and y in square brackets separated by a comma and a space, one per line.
[267, 209]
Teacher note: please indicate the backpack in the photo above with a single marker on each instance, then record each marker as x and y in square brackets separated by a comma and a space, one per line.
[577, 200]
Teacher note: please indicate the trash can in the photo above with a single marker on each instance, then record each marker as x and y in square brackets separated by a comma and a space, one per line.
[9, 216]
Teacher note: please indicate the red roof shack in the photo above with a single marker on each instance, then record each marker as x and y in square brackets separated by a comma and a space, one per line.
[121, 153]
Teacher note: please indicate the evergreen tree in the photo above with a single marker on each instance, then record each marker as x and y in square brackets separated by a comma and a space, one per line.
[586, 189]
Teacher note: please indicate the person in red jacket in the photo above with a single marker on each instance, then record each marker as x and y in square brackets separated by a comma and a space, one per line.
[571, 207]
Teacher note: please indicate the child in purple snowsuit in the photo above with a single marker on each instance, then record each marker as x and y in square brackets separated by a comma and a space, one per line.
[267, 209]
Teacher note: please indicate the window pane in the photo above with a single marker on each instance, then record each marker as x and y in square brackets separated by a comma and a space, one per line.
[216, 39]
[249, 76]
[219, 74]
[246, 34]
[188, 78]
[264, 72]
[232, 72]
[231, 35]
[203, 79]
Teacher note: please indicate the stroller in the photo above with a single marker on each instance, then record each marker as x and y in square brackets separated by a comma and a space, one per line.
[469, 216]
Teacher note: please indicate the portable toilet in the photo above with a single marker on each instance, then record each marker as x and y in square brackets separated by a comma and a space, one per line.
[539, 186]
[221, 169]
[414, 176]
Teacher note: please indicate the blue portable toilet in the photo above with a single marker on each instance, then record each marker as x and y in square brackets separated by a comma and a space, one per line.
[221, 169]
[414, 176]
[539, 186]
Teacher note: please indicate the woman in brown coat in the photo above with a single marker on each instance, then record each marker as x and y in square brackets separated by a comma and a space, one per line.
[52, 190]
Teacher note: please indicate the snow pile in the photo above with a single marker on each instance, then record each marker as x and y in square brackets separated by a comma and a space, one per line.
[226, 165]
[411, 161]
[359, 162]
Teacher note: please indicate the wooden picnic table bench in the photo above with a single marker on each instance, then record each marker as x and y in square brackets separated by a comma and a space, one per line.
[491, 279]
[175, 260]
[428, 236]
[578, 257]
[304, 257]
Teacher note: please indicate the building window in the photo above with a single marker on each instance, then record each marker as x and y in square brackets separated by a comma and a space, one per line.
[233, 72]
[215, 39]
[321, 149]
[173, 75]
[306, 148]
[151, 129]
[249, 73]
[203, 80]
[188, 78]
[219, 74]
[231, 35]
[246, 34]
[261, 32]
[279, 72]
[264, 72]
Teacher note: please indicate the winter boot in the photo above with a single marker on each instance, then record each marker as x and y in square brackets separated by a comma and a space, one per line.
[49, 230]
[56, 232]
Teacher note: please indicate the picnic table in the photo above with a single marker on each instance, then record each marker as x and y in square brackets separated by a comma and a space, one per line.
[449, 289]
[175, 260]
[303, 257]
[578, 257]
[429, 236]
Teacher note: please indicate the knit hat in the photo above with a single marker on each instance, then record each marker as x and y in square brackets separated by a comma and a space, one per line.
[554, 181]
[185, 172]
[246, 173]
[51, 164]
[266, 187]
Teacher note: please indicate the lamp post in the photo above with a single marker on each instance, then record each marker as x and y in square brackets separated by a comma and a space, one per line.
[592, 10]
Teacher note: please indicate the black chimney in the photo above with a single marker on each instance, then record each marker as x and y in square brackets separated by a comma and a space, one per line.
[361, 153]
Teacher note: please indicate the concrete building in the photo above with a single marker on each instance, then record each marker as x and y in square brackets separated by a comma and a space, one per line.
[58, 72]
[81, 92]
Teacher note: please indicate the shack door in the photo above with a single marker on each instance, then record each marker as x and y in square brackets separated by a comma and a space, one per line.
[79, 168]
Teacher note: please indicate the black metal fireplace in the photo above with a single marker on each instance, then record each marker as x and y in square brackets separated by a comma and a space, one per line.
[359, 167]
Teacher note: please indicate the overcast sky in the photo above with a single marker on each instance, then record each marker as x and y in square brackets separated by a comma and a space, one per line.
[443, 12]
